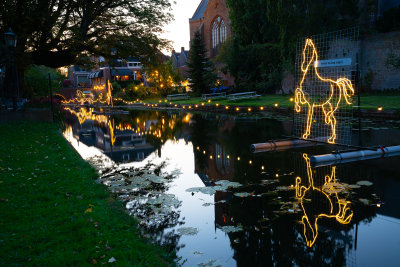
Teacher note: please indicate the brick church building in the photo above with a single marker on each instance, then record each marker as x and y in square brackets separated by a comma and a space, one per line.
[211, 18]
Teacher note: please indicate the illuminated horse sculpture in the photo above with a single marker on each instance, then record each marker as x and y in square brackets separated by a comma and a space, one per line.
[339, 89]
[326, 203]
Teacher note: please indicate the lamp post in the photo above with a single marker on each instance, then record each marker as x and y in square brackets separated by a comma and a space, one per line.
[10, 40]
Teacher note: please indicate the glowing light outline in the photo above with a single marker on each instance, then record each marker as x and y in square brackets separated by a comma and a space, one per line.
[343, 84]
[330, 180]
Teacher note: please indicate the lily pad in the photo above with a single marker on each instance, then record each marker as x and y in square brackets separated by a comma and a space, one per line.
[242, 194]
[209, 263]
[366, 183]
[157, 180]
[231, 229]
[165, 200]
[210, 190]
[364, 201]
[188, 231]
[226, 183]
[353, 186]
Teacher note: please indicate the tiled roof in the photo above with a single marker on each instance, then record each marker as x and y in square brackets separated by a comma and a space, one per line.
[198, 14]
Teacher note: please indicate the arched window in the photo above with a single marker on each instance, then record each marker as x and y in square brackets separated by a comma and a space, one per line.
[222, 32]
[215, 36]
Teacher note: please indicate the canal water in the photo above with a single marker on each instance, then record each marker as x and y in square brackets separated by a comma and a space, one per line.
[196, 188]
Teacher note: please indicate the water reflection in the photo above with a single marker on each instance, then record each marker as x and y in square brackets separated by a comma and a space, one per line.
[289, 213]
[321, 202]
[129, 137]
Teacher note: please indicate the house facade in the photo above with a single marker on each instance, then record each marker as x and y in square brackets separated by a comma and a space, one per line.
[211, 18]
[179, 61]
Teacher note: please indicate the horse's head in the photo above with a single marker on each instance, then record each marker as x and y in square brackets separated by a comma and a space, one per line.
[309, 55]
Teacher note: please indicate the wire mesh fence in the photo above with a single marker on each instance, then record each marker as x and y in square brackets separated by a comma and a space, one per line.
[326, 75]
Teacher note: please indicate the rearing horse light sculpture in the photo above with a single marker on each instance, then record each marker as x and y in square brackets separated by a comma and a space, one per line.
[327, 203]
[328, 103]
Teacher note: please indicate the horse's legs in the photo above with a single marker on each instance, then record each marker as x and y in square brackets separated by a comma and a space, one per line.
[332, 121]
[309, 121]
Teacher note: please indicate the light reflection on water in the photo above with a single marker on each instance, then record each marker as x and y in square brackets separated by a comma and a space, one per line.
[207, 150]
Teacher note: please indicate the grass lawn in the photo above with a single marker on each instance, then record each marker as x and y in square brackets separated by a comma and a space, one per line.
[367, 101]
[53, 213]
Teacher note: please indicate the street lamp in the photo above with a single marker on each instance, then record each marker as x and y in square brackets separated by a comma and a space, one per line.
[10, 40]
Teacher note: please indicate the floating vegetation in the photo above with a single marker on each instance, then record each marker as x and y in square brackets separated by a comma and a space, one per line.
[209, 263]
[364, 201]
[188, 231]
[284, 188]
[242, 194]
[366, 183]
[231, 229]
[227, 184]
[353, 186]
[209, 190]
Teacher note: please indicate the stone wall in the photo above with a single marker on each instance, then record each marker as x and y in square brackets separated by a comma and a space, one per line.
[375, 50]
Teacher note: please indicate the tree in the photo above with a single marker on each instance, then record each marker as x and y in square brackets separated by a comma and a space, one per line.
[58, 33]
[37, 80]
[266, 34]
[200, 69]
[163, 77]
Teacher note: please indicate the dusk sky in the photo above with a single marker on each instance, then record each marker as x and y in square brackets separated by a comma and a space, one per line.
[178, 30]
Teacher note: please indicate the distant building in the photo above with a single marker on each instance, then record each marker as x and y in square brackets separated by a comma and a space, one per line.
[120, 70]
[179, 60]
[211, 18]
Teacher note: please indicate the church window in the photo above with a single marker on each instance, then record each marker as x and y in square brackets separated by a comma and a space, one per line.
[215, 36]
[222, 32]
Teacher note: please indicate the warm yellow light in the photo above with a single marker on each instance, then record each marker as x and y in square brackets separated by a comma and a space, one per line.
[262, 167]
[249, 109]
[227, 157]
[226, 107]
[378, 205]
[217, 104]
[198, 148]
[328, 106]
[209, 101]
[196, 106]
[204, 152]
[276, 105]
[237, 109]
[250, 162]
[211, 157]
[218, 156]
[238, 158]
[261, 108]
[343, 215]
[202, 104]
[276, 175]
[380, 108]
[291, 99]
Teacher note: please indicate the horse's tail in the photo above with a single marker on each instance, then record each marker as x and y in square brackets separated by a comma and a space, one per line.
[346, 88]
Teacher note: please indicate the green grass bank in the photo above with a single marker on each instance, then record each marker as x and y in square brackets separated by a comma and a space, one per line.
[53, 213]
